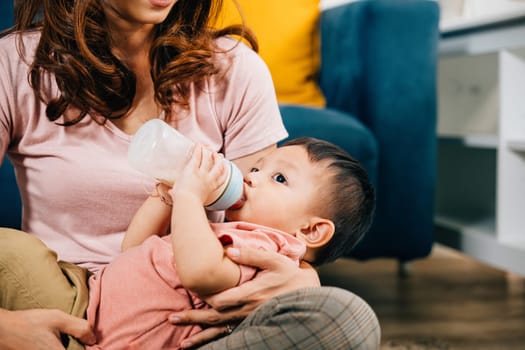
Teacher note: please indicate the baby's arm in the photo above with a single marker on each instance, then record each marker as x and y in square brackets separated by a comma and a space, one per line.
[152, 218]
[199, 256]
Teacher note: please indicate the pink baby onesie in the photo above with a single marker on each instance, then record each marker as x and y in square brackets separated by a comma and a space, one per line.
[131, 298]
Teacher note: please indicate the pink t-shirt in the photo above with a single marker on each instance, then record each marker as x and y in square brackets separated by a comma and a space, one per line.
[78, 191]
[130, 299]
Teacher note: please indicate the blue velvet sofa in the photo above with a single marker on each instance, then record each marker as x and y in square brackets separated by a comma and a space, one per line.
[378, 75]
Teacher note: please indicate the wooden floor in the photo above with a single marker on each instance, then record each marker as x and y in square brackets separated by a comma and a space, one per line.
[449, 301]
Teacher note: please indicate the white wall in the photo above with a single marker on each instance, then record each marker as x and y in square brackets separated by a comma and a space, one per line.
[458, 13]
[332, 3]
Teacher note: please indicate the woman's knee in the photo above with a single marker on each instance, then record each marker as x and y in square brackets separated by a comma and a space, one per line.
[329, 317]
[30, 276]
[18, 245]
[355, 323]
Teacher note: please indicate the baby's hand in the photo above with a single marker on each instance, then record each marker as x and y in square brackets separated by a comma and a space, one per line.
[203, 175]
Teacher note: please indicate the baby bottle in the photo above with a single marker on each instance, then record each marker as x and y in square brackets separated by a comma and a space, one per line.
[160, 151]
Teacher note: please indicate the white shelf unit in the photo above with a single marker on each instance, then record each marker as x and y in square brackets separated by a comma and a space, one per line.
[480, 196]
[460, 22]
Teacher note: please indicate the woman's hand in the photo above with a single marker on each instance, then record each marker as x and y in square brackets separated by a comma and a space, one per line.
[278, 275]
[40, 329]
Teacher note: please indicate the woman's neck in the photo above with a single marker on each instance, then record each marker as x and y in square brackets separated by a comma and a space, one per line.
[131, 43]
[128, 39]
[132, 48]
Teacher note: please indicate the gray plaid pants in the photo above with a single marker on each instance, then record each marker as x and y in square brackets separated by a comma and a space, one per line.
[326, 318]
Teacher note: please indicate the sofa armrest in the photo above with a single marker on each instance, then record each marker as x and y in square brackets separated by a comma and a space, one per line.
[379, 64]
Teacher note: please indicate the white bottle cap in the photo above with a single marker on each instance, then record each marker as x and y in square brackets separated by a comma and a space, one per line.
[232, 192]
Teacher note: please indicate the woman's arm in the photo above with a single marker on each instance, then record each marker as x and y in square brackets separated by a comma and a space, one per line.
[278, 276]
[152, 218]
[198, 254]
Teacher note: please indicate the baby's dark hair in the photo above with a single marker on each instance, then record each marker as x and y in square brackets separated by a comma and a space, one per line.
[349, 203]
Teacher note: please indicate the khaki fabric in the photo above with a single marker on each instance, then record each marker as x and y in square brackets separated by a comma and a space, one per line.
[31, 277]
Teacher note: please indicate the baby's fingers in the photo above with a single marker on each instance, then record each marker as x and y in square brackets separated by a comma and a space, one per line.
[195, 156]
[219, 170]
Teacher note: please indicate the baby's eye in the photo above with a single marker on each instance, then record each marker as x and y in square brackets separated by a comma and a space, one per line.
[280, 178]
[254, 170]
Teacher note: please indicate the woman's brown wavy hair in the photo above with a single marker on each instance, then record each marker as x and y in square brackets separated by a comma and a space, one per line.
[75, 47]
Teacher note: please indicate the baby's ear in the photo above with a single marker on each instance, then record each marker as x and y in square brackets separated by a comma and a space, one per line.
[318, 233]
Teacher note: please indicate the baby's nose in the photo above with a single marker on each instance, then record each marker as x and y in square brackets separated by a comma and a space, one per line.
[250, 178]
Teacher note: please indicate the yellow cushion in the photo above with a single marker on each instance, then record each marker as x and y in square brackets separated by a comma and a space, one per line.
[288, 36]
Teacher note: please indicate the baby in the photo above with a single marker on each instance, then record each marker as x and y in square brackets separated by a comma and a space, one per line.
[307, 199]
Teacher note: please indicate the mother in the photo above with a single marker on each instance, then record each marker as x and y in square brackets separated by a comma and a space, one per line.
[84, 76]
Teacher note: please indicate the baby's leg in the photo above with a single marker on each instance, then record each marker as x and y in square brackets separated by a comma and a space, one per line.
[31, 277]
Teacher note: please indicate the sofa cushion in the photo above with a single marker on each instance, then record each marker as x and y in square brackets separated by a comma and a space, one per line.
[10, 205]
[334, 126]
[288, 36]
